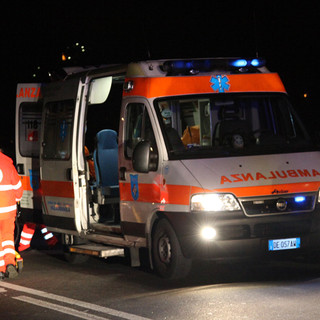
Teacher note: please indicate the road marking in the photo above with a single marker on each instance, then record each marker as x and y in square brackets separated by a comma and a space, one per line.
[62, 309]
[74, 302]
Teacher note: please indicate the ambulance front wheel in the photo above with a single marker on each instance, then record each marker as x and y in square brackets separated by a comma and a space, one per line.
[168, 260]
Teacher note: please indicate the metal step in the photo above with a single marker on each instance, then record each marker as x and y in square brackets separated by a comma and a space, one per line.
[100, 227]
[97, 250]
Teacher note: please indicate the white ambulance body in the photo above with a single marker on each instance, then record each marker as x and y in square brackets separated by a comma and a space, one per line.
[190, 159]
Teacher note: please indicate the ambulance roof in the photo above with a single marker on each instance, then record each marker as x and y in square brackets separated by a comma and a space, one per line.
[189, 67]
[176, 67]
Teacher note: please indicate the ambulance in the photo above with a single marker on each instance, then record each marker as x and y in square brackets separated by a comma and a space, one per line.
[184, 159]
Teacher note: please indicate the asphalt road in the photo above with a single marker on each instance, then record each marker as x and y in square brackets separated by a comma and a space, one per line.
[50, 288]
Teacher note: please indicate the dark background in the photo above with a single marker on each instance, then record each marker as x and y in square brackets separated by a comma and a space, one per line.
[34, 34]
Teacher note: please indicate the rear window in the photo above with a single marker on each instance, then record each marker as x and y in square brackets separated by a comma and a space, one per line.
[29, 128]
[58, 130]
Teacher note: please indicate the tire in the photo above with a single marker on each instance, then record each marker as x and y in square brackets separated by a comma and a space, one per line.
[73, 258]
[168, 260]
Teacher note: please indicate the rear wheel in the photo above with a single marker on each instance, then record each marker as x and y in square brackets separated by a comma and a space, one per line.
[168, 260]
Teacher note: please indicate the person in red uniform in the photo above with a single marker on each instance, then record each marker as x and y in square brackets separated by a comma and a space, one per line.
[10, 192]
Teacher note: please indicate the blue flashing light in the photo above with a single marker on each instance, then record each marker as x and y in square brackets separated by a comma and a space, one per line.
[239, 63]
[258, 62]
[194, 66]
[255, 62]
[299, 199]
[179, 64]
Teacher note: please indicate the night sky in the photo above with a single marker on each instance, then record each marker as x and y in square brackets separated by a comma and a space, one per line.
[36, 33]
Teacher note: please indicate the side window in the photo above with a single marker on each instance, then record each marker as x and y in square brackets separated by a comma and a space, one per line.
[29, 128]
[58, 130]
[138, 127]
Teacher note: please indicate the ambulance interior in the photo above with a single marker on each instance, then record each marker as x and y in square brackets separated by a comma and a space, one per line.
[232, 124]
[101, 154]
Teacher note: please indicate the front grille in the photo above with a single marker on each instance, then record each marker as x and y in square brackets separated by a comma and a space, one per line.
[281, 229]
[273, 205]
[233, 232]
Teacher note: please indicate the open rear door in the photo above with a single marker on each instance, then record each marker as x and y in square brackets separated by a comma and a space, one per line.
[28, 128]
[59, 178]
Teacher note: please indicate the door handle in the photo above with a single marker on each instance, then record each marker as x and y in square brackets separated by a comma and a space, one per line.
[20, 168]
[122, 175]
[69, 174]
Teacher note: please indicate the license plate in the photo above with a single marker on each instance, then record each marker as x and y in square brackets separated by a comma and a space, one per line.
[284, 244]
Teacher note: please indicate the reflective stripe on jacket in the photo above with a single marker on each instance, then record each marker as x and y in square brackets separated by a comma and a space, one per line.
[10, 187]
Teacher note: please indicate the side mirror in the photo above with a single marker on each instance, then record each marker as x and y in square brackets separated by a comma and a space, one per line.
[144, 158]
[141, 157]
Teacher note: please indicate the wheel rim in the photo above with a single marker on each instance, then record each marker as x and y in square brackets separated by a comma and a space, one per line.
[164, 249]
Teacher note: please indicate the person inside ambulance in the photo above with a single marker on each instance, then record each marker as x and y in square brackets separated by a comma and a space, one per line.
[191, 135]
[231, 130]
[172, 134]
[10, 193]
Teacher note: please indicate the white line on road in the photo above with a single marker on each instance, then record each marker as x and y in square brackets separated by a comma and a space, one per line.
[74, 302]
[56, 307]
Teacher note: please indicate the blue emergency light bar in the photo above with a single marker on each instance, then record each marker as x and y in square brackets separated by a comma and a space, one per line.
[241, 63]
[173, 67]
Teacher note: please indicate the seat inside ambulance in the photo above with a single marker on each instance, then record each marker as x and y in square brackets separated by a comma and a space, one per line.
[105, 158]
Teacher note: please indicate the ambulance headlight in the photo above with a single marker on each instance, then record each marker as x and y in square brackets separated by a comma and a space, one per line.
[214, 202]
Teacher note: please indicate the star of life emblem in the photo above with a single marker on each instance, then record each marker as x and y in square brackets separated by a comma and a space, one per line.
[220, 83]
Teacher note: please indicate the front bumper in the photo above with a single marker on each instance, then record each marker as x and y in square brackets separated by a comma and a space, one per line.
[241, 236]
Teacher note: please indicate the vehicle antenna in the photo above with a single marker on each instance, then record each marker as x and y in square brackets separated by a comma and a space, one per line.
[255, 31]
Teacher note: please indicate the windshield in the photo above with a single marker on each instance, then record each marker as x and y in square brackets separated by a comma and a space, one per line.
[230, 124]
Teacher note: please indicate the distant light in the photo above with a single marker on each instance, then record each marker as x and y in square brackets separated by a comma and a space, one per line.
[305, 95]
[77, 43]
[299, 199]
[69, 57]
[63, 57]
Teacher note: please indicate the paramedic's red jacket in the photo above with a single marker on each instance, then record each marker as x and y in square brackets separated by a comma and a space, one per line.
[10, 188]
